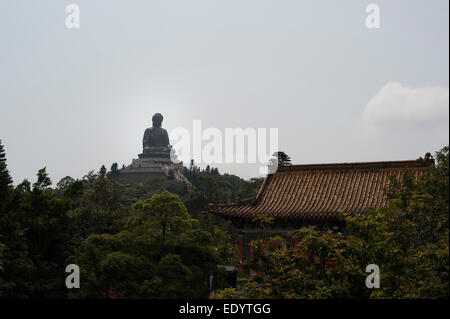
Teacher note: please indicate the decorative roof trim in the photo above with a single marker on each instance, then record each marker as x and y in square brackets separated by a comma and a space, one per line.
[356, 165]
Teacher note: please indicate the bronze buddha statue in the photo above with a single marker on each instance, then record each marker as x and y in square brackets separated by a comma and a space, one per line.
[156, 140]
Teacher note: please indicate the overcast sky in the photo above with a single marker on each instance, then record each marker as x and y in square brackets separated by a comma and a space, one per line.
[74, 99]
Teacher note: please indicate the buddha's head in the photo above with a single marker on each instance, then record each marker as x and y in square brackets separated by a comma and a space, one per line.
[157, 119]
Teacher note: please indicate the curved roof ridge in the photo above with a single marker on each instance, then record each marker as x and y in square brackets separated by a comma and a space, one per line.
[362, 165]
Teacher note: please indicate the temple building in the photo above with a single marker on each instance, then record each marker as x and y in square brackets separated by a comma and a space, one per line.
[315, 194]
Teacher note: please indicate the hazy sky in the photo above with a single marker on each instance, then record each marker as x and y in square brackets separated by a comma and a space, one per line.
[74, 99]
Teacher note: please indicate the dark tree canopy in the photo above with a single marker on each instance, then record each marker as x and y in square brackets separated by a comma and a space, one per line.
[102, 170]
[65, 182]
[5, 178]
[114, 168]
[283, 158]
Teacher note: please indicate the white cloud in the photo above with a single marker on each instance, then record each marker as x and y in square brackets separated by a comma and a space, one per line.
[397, 105]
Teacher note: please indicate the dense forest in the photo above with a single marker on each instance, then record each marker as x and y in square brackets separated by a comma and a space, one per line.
[140, 240]
[154, 240]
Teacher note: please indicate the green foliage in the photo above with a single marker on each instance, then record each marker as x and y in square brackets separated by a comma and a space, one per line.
[130, 240]
[133, 192]
[5, 179]
[114, 168]
[226, 293]
[212, 185]
[283, 158]
[251, 187]
[102, 171]
[36, 231]
[15, 265]
[162, 252]
[65, 182]
[408, 239]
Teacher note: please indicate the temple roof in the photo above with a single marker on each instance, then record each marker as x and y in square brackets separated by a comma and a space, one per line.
[321, 192]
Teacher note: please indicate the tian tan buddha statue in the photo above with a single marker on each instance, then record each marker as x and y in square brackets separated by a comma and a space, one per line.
[156, 140]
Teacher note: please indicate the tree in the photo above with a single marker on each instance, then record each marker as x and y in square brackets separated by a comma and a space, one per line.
[114, 168]
[153, 249]
[102, 171]
[5, 179]
[161, 252]
[129, 240]
[167, 210]
[96, 208]
[283, 158]
[35, 232]
[251, 187]
[65, 182]
[48, 232]
[15, 266]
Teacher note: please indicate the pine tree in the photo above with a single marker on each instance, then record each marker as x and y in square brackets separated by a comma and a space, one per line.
[283, 158]
[194, 179]
[102, 171]
[15, 266]
[114, 168]
[5, 179]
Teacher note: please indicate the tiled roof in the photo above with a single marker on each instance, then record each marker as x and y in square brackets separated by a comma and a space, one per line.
[320, 192]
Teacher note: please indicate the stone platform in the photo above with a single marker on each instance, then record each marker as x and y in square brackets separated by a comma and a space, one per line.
[144, 169]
